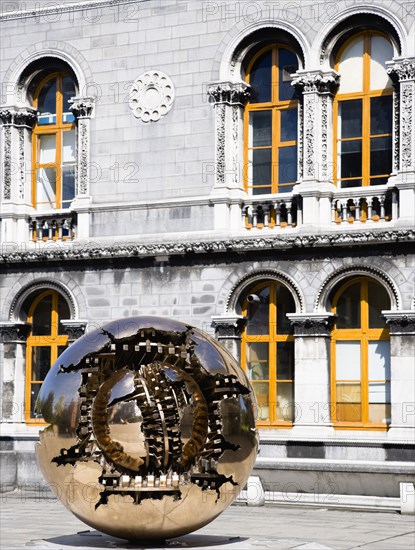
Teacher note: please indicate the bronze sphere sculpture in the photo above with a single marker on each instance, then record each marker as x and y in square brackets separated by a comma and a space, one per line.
[151, 428]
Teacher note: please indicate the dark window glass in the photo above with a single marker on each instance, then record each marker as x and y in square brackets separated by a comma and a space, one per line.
[261, 124]
[260, 79]
[378, 300]
[288, 64]
[380, 156]
[352, 183]
[34, 391]
[68, 91]
[351, 118]
[261, 167]
[348, 308]
[285, 360]
[288, 125]
[40, 362]
[68, 185]
[46, 104]
[63, 313]
[351, 158]
[287, 164]
[381, 115]
[258, 312]
[285, 304]
[42, 317]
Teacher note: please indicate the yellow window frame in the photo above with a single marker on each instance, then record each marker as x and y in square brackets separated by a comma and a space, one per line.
[54, 340]
[365, 95]
[364, 334]
[276, 107]
[272, 338]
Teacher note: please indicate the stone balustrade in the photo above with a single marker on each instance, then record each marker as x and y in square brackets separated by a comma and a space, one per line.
[271, 212]
[364, 205]
[53, 227]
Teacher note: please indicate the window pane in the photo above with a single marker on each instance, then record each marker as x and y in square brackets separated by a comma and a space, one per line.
[380, 156]
[381, 115]
[351, 68]
[351, 183]
[379, 392]
[258, 312]
[257, 360]
[288, 64]
[380, 413]
[42, 317]
[348, 308]
[285, 360]
[260, 79]
[260, 128]
[350, 118]
[47, 149]
[381, 50]
[378, 300]
[68, 185]
[46, 104]
[351, 159]
[285, 304]
[46, 188]
[285, 401]
[287, 164]
[379, 360]
[40, 362]
[34, 391]
[348, 360]
[348, 403]
[261, 167]
[68, 91]
[68, 146]
[262, 394]
[288, 125]
[63, 313]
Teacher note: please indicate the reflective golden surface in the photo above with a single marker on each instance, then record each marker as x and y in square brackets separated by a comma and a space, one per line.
[151, 428]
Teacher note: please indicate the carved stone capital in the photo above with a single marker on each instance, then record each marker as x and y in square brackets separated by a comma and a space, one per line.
[228, 327]
[312, 324]
[14, 332]
[82, 107]
[18, 117]
[316, 82]
[75, 328]
[400, 322]
[402, 69]
[232, 93]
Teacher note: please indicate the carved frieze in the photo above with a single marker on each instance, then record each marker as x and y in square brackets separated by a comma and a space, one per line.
[228, 327]
[400, 322]
[232, 93]
[402, 70]
[316, 83]
[82, 107]
[14, 332]
[312, 324]
[18, 117]
[74, 328]
[407, 123]
[7, 163]
[151, 96]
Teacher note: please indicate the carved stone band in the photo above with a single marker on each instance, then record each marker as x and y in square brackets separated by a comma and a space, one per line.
[16, 117]
[232, 93]
[151, 96]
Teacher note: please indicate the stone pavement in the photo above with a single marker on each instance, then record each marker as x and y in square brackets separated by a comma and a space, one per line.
[34, 520]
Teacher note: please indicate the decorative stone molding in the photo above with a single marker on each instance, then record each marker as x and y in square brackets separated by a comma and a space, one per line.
[231, 93]
[151, 96]
[87, 252]
[14, 332]
[401, 323]
[316, 82]
[57, 9]
[312, 324]
[7, 162]
[228, 327]
[402, 70]
[18, 117]
[82, 107]
[75, 328]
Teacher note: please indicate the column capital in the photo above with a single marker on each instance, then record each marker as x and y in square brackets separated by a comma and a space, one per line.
[75, 328]
[228, 326]
[11, 331]
[231, 93]
[82, 107]
[401, 323]
[11, 115]
[312, 324]
[318, 81]
[401, 68]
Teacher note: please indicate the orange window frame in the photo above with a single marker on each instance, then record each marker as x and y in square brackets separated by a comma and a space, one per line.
[57, 130]
[365, 95]
[272, 338]
[363, 335]
[276, 107]
[54, 340]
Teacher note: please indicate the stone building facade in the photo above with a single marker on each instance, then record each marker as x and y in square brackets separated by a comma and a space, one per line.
[246, 167]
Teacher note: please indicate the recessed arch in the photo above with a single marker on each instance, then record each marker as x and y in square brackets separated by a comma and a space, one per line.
[322, 302]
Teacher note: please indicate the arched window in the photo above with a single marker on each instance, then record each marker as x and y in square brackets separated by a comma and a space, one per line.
[271, 122]
[360, 355]
[46, 341]
[54, 143]
[268, 351]
[363, 112]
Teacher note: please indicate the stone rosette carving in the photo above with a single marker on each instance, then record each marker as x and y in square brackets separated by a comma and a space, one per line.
[232, 93]
[151, 96]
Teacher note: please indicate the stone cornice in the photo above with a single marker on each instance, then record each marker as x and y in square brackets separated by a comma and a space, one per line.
[14, 332]
[316, 81]
[228, 326]
[82, 107]
[400, 322]
[232, 93]
[401, 69]
[18, 116]
[312, 324]
[105, 251]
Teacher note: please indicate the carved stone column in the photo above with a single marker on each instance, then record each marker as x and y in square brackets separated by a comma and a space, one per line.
[75, 328]
[402, 73]
[228, 330]
[316, 90]
[402, 331]
[229, 99]
[16, 197]
[13, 340]
[82, 108]
[312, 372]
